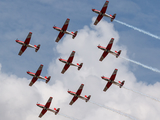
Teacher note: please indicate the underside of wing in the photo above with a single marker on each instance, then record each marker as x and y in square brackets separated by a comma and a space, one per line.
[70, 59]
[27, 41]
[65, 68]
[66, 24]
[47, 105]
[60, 35]
[39, 70]
[103, 55]
[107, 86]
[109, 46]
[42, 113]
[23, 48]
[113, 75]
[98, 19]
[80, 89]
[73, 100]
[34, 79]
[104, 8]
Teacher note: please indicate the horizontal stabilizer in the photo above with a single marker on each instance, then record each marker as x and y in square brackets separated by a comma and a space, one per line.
[118, 53]
[122, 83]
[74, 34]
[113, 17]
[57, 111]
[48, 79]
[37, 48]
[80, 66]
[88, 98]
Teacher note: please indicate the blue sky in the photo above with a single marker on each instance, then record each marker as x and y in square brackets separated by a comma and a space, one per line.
[18, 18]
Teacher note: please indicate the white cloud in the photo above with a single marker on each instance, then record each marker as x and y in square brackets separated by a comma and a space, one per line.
[18, 100]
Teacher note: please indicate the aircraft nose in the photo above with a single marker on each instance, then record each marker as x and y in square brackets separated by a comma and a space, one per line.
[60, 59]
[93, 9]
[68, 91]
[37, 104]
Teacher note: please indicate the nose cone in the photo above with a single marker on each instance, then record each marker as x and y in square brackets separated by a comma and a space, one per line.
[68, 91]
[99, 46]
[60, 59]
[102, 77]
[37, 104]
[16, 40]
[93, 9]
[27, 72]
[54, 27]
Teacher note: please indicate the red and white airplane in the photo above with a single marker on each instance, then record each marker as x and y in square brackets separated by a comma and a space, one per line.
[26, 44]
[37, 75]
[78, 95]
[63, 31]
[111, 80]
[107, 50]
[46, 108]
[102, 13]
[69, 62]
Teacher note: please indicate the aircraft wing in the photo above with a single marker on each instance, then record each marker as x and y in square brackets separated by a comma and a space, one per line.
[104, 8]
[107, 86]
[39, 70]
[23, 48]
[47, 105]
[70, 59]
[64, 28]
[109, 46]
[65, 68]
[42, 113]
[113, 75]
[105, 53]
[80, 89]
[28, 38]
[73, 100]
[98, 19]
[60, 35]
[34, 79]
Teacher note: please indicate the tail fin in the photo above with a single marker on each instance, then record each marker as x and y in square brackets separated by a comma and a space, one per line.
[122, 83]
[80, 66]
[113, 17]
[88, 98]
[37, 48]
[48, 79]
[57, 111]
[74, 34]
[118, 53]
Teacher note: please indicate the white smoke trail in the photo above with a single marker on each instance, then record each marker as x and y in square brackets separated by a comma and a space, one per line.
[143, 94]
[140, 30]
[114, 110]
[67, 116]
[145, 66]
